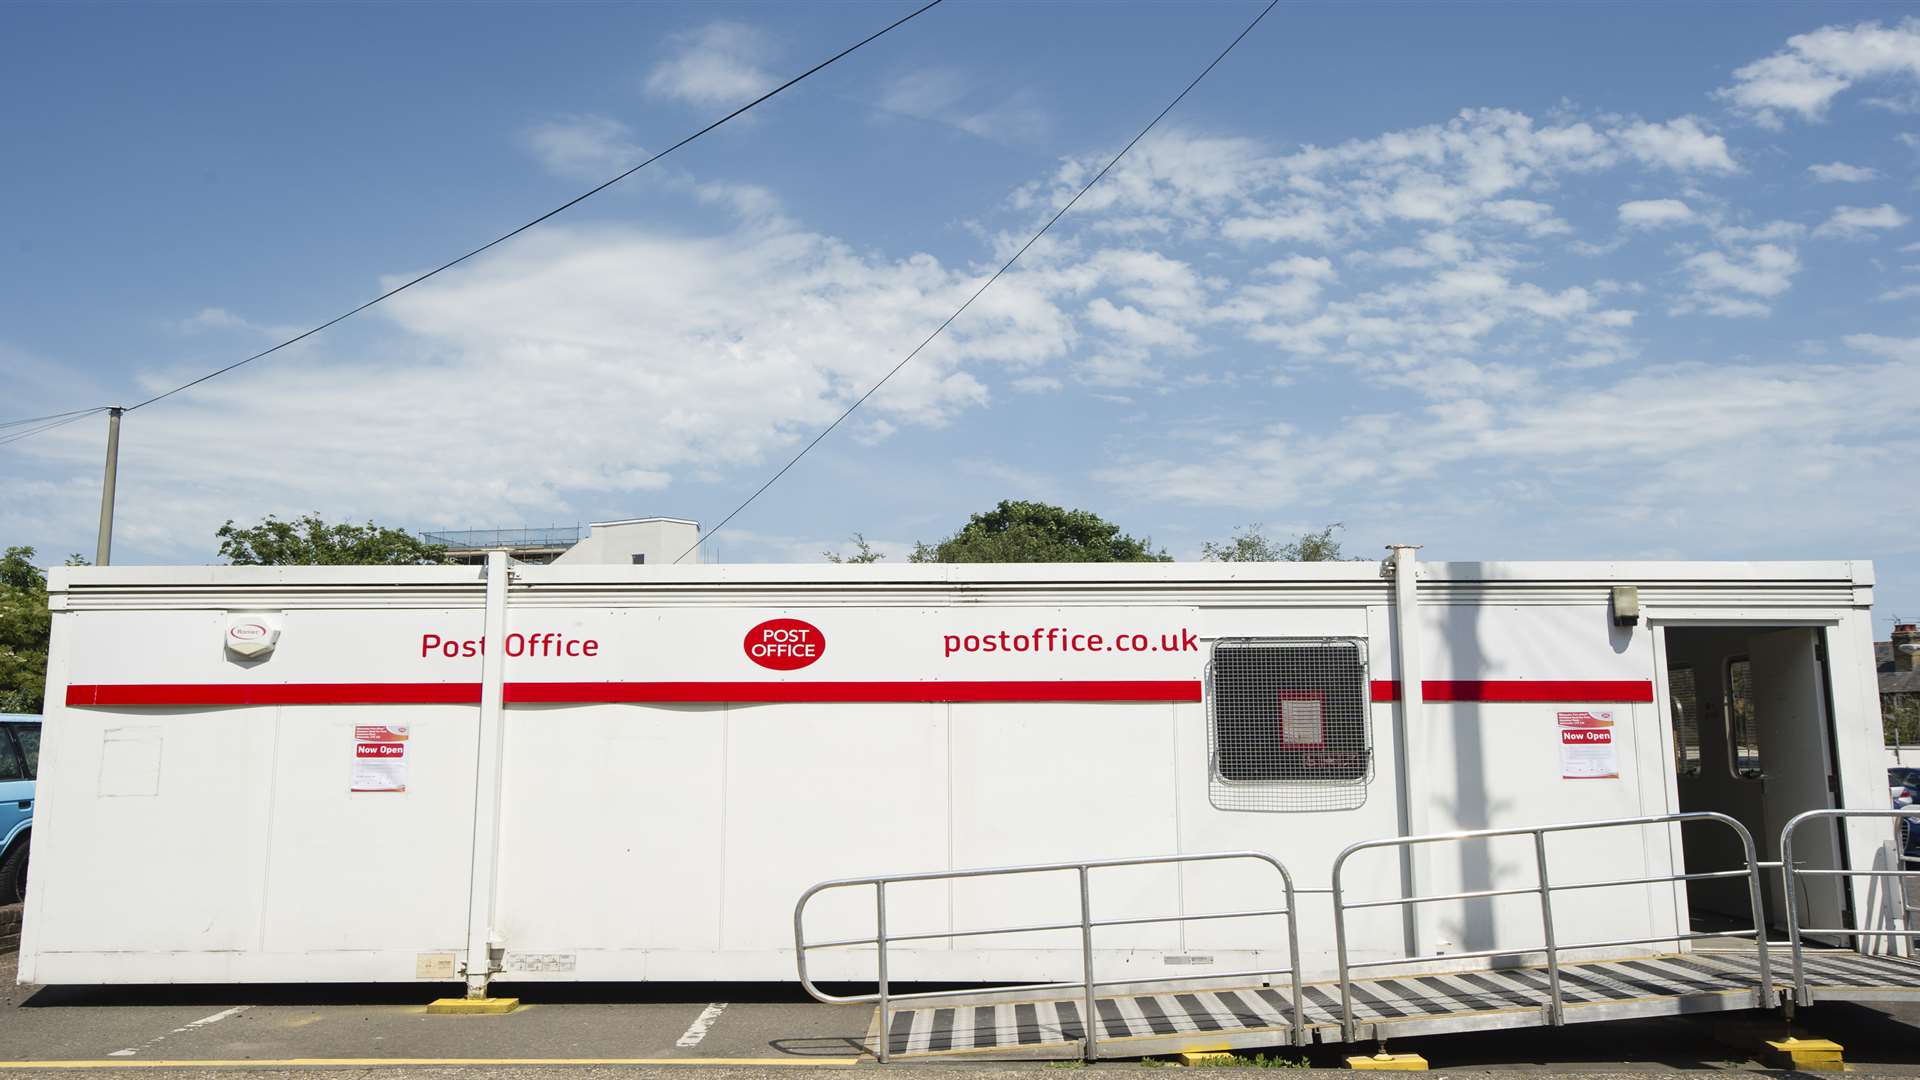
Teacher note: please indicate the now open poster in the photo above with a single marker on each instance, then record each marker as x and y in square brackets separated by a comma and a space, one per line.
[1587, 748]
[379, 757]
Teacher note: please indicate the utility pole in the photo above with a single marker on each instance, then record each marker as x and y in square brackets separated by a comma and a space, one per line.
[105, 547]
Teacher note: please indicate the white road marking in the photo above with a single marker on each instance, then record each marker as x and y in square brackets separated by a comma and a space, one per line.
[701, 1023]
[200, 1023]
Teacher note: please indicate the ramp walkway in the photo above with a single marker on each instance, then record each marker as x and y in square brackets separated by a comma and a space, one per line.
[1391, 1006]
[1400, 997]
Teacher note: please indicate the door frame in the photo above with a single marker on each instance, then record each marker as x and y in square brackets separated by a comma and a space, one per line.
[1824, 625]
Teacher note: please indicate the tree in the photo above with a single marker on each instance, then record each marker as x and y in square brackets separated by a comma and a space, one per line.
[310, 541]
[1250, 544]
[862, 552]
[1027, 532]
[1900, 719]
[25, 626]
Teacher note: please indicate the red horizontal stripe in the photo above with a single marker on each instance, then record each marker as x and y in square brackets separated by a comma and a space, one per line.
[1554, 691]
[716, 692]
[921, 691]
[432, 693]
[1565, 691]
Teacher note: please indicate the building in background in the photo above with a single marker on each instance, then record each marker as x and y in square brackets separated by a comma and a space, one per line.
[1898, 661]
[630, 541]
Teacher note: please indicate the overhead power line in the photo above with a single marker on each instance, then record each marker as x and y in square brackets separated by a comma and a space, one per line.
[502, 238]
[51, 416]
[45, 423]
[984, 286]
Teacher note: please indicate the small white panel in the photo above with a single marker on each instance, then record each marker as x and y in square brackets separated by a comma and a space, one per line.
[130, 762]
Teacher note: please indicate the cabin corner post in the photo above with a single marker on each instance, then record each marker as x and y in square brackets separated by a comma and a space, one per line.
[487, 777]
[1411, 738]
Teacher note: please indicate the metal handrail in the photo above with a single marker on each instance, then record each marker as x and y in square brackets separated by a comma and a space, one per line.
[1544, 888]
[1791, 874]
[1087, 924]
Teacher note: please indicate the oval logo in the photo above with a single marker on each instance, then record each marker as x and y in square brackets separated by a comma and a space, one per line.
[785, 644]
[247, 631]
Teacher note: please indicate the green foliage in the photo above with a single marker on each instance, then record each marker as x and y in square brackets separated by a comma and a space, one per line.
[310, 541]
[1900, 719]
[1032, 532]
[1250, 544]
[25, 626]
[862, 552]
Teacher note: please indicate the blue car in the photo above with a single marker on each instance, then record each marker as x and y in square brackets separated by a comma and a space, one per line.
[19, 765]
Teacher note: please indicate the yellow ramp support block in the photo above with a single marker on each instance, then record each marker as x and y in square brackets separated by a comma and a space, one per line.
[1810, 1055]
[1388, 1062]
[473, 1006]
[1205, 1057]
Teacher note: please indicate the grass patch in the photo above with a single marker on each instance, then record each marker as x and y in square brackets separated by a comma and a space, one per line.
[1251, 1061]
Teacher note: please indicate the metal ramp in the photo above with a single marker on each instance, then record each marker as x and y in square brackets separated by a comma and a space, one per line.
[1385, 1006]
[1397, 997]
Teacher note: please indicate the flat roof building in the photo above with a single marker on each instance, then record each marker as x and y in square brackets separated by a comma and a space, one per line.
[626, 542]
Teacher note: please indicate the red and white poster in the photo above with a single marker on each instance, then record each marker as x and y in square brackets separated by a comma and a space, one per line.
[379, 757]
[1587, 750]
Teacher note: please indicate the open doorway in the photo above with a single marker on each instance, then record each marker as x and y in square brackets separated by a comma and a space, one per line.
[1753, 739]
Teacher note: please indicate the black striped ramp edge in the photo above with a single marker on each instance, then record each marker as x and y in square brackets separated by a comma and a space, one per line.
[1244, 1012]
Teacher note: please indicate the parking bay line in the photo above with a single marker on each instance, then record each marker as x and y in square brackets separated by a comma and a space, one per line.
[698, 1029]
[200, 1023]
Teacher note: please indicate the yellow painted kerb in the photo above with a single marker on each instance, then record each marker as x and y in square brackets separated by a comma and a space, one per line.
[1811, 1055]
[345, 1063]
[473, 1006]
[1389, 1063]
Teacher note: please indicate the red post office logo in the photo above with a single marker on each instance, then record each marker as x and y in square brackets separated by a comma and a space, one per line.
[785, 644]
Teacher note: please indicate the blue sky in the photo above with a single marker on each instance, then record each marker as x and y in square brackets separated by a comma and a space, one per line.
[1514, 281]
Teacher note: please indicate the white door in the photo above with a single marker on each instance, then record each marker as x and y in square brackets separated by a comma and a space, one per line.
[1793, 732]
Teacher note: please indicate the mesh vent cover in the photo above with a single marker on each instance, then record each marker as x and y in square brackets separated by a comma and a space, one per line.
[1287, 724]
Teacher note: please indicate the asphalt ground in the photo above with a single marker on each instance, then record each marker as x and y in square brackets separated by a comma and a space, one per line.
[649, 1030]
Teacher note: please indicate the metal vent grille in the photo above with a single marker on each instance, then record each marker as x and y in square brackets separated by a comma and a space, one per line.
[1287, 724]
[1685, 699]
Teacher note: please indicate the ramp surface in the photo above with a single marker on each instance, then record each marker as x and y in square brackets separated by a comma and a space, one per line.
[1387, 1005]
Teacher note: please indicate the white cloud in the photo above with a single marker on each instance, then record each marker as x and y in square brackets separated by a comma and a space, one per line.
[1037, 384]
[1654, 213]
[216, 318]
[584, 147]
[592, 364]
[1903, 292]
[1682, 145]
[1737, 284]
[1646, 442]
[1805, 77]
[1536, 217]
[1138, 328]
[1839, 172]
[1852, 222]
[1299, 223]
[950, 97]
[1471, 171]
[716, 66]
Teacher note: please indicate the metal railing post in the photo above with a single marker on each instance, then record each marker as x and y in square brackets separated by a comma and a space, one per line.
[1293, 956]
[1092, 1037]
[1340, 951]
[880, 962]
[1087, 984]
[1788, 877]
[1756, 900]
[1555, 1011]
